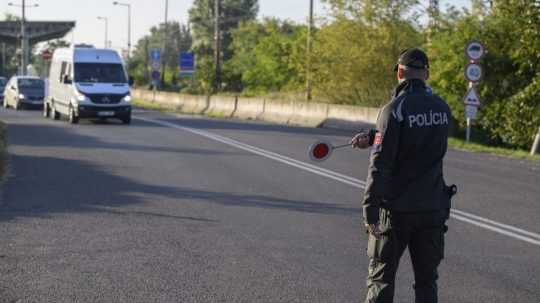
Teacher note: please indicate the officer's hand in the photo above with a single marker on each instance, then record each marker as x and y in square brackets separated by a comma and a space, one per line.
[373, 229]
[360, 140]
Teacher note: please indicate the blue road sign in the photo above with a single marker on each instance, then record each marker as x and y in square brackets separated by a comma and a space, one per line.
[155, 54]
[186, 63]
[155, 75]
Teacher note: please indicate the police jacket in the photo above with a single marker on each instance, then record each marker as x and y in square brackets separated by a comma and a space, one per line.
[406, 164]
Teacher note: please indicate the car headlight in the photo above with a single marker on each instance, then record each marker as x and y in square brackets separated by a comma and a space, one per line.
[21, 96]
[81, 98]
[127, 98]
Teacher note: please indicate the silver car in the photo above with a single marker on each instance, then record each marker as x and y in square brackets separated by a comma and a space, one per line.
[24, 91]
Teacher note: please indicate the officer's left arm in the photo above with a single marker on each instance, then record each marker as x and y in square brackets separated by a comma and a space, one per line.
[383, 158]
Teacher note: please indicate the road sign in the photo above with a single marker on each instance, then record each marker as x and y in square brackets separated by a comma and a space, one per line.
[155, 75]
[186, 63]
[156, 65]
[473, 72]
[46, 55]
[155, 54]
[475, 50]
[471, 111]
[471, 98]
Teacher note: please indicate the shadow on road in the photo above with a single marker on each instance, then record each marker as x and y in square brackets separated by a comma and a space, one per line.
[41, 186]
[56, 136]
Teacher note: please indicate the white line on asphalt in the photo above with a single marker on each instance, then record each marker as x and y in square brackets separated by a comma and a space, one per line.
[504, 229]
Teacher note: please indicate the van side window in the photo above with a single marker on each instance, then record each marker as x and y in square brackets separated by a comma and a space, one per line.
[62, 71]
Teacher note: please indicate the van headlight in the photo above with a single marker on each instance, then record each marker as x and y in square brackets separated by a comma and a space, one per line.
[127, 98]
[21, 96]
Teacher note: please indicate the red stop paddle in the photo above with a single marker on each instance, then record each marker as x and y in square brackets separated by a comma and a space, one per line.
[321, 150]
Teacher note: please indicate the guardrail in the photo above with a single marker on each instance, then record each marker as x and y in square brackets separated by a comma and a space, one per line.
[283, 112]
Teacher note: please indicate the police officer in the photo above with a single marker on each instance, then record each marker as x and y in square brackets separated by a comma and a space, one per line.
[406, 201]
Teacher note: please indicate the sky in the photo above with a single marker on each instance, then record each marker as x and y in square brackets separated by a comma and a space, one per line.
[147, 13]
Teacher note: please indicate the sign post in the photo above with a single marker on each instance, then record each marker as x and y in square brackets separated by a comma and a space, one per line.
[186, 65]
[155, 62]
[474, 74]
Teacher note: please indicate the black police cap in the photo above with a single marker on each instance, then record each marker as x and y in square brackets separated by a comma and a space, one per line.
[413, 57]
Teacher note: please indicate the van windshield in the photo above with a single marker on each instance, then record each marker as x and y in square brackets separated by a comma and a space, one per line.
[99, 73]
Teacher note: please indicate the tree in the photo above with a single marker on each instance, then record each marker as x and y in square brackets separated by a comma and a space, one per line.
[202, 20]
[510, 111]
[269, 56]
[177, 39]
[355, 51]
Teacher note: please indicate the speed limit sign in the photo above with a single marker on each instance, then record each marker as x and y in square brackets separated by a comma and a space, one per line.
[473, 72]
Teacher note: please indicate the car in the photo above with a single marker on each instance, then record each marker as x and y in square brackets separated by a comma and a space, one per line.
[85, 82]
[24, 91]
[3, 82]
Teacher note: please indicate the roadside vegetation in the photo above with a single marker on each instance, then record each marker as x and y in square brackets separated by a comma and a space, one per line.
[354, 48]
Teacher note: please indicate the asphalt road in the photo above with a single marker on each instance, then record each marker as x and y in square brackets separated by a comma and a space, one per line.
[187, 209]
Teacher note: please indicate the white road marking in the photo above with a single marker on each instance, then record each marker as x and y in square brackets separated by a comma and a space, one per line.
[504, 229]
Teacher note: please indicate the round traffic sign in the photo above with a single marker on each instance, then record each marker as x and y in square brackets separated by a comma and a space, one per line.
[320, 151]
[473, 72]
[46, 55]
[475, 50]
[156, 65]
[155, 75]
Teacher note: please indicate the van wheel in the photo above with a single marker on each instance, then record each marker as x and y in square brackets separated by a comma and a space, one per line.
[126, 120]
[73, 118]
[5, 103]
[46, 111]
[54, 114]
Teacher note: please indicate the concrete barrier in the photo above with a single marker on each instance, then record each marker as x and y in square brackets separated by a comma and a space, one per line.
[309, 113]
[284, 112]
[249, 108]
[277, 111]
[350, 117]
[193, 104]
[221, 106]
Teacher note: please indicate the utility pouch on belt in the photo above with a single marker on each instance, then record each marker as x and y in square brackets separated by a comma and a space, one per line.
[450, 191]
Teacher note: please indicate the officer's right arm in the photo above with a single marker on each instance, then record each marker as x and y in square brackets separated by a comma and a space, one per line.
[383, 157]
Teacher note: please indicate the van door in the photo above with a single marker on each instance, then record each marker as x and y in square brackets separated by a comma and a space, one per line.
[65, 92]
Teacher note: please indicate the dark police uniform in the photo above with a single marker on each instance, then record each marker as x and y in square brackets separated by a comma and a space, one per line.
[405, 192]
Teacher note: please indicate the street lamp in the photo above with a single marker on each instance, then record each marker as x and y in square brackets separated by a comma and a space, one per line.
[106, 28]
[24, 39]
[129, 24]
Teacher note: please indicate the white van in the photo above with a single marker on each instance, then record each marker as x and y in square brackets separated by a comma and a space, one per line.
[88, 83]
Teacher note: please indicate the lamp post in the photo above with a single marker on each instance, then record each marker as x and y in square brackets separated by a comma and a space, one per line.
[309, 49]
[106, 29]
[24, 38]
[129, 24]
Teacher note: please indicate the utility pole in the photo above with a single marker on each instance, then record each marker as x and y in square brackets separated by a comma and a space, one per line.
[217, 44]
[3, 58]
[25, 43]
[106, 30]
[128, 5]
[308, 63]
[164, 43]
[433, 12]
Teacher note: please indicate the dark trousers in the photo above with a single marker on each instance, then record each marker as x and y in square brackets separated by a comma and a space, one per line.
[423, 233]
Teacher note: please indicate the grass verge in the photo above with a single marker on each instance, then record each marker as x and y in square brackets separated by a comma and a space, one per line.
[481, 148]
[150, 105]
[3, 150]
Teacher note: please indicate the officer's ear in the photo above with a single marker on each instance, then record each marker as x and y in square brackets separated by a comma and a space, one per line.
[400, 73]
[427, 74]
